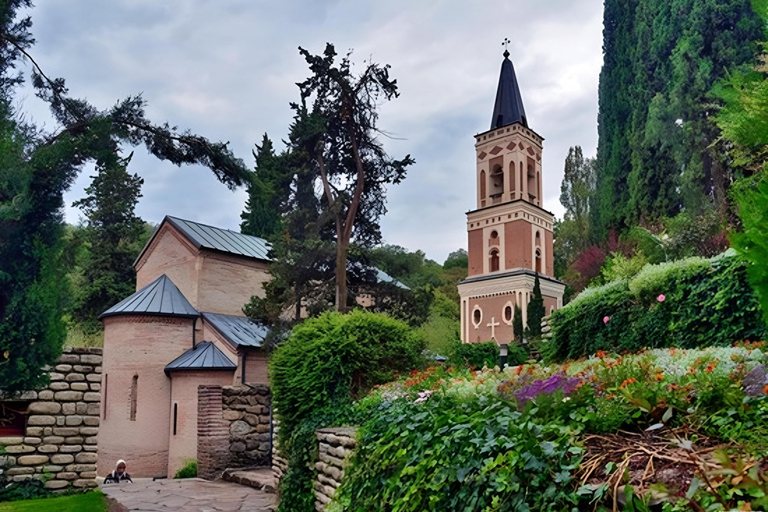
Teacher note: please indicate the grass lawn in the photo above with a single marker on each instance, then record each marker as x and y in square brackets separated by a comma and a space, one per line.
[89, 502]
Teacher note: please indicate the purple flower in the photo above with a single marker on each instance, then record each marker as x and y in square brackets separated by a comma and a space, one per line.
[661, 298]
[548, 386]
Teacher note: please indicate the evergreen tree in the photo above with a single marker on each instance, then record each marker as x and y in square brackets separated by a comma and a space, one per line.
[517, 324]
[535, 310]
[261, 216]
[112, 231]
[576, 193]
[35, 170]
[338, 137]
[656, 142]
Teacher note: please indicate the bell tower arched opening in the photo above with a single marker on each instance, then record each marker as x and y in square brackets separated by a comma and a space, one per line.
[497, 184]
[494, 261]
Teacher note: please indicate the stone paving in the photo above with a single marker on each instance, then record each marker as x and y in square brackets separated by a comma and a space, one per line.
[190, 495]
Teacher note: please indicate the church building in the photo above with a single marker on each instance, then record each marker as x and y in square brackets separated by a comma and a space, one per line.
[510, 232]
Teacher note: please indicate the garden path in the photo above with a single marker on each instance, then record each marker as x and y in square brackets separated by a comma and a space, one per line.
[190, 495]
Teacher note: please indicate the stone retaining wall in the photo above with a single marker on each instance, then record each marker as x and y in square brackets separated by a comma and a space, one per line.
[233, 428]
[279, 464]
[334, 448]
[61, 426]
[246, 408]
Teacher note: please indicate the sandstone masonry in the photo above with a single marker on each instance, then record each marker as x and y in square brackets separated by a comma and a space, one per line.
[233, 428]
[335, 445]
[61, 427]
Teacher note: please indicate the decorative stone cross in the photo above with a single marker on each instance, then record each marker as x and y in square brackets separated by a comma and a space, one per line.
[493, 325]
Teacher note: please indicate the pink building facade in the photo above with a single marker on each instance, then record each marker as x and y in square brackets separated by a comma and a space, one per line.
[183, 327]
[510, 233]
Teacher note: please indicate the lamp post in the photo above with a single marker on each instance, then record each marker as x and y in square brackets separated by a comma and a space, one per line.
[503, 353]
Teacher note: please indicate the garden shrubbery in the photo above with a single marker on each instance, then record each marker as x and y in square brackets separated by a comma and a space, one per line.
[687, 303]
[316, 373]
[530, 437]
[478, 355]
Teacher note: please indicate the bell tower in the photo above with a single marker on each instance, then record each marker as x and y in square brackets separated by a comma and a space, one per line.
[510, 233]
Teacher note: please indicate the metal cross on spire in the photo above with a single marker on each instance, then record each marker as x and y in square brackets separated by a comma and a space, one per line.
[505, 44]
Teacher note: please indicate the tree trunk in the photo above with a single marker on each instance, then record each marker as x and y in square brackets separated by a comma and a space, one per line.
[342, 248]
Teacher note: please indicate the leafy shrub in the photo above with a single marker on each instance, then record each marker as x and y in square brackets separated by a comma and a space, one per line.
[24, 490]
[325, 363]
[189, 470]
[478, 355]
[334, 358]
[688, 303]
[480, 454]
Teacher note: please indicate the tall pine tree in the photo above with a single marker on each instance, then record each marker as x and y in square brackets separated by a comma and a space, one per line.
[266, 192]
[112, 231]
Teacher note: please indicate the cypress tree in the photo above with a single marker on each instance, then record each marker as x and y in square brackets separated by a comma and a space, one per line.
[112, 230]
[517, 324]
[535, 310]
[261, 216]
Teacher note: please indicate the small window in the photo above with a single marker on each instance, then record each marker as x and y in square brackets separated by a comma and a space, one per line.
[134, 392]
[175, 416]
[104, 396]
[494, 261]
[477, 317]
[508, 313]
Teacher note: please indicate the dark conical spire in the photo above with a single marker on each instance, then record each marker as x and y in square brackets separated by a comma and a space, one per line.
[509, 104]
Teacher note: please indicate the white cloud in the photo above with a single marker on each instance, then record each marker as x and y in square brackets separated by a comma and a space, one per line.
[228, 69]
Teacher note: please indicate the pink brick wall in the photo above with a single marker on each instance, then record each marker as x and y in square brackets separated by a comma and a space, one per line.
[139, 345]
[228, 282]
[184, 385]
[171, 254]
[213, 433]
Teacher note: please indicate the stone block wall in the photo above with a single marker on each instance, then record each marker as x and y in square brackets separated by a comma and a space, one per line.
[233, 428]
[279, 464]
[335, 445]
[246, 408]
[61, 425]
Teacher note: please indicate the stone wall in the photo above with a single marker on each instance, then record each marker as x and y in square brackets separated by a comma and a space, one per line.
[233, 428]
[61, 425]
[335, 445]
[279, 464]
[246, 408]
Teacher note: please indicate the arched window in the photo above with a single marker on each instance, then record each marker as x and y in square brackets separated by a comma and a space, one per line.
[482, 184]
[494, 260]
[538, 239]
[497, 183]
[507, 313]
[538, 261]
[512, 177]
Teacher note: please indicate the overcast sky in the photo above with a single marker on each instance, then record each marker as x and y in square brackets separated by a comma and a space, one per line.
[227, 70]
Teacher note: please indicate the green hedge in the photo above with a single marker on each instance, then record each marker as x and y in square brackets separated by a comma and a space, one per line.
[477, 355]
[705, 302]
[317, 372]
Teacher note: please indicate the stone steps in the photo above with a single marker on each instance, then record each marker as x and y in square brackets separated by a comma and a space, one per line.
[262, 478]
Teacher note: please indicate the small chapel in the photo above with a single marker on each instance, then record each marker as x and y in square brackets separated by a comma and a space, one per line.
[509, 233]
[183, 327]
